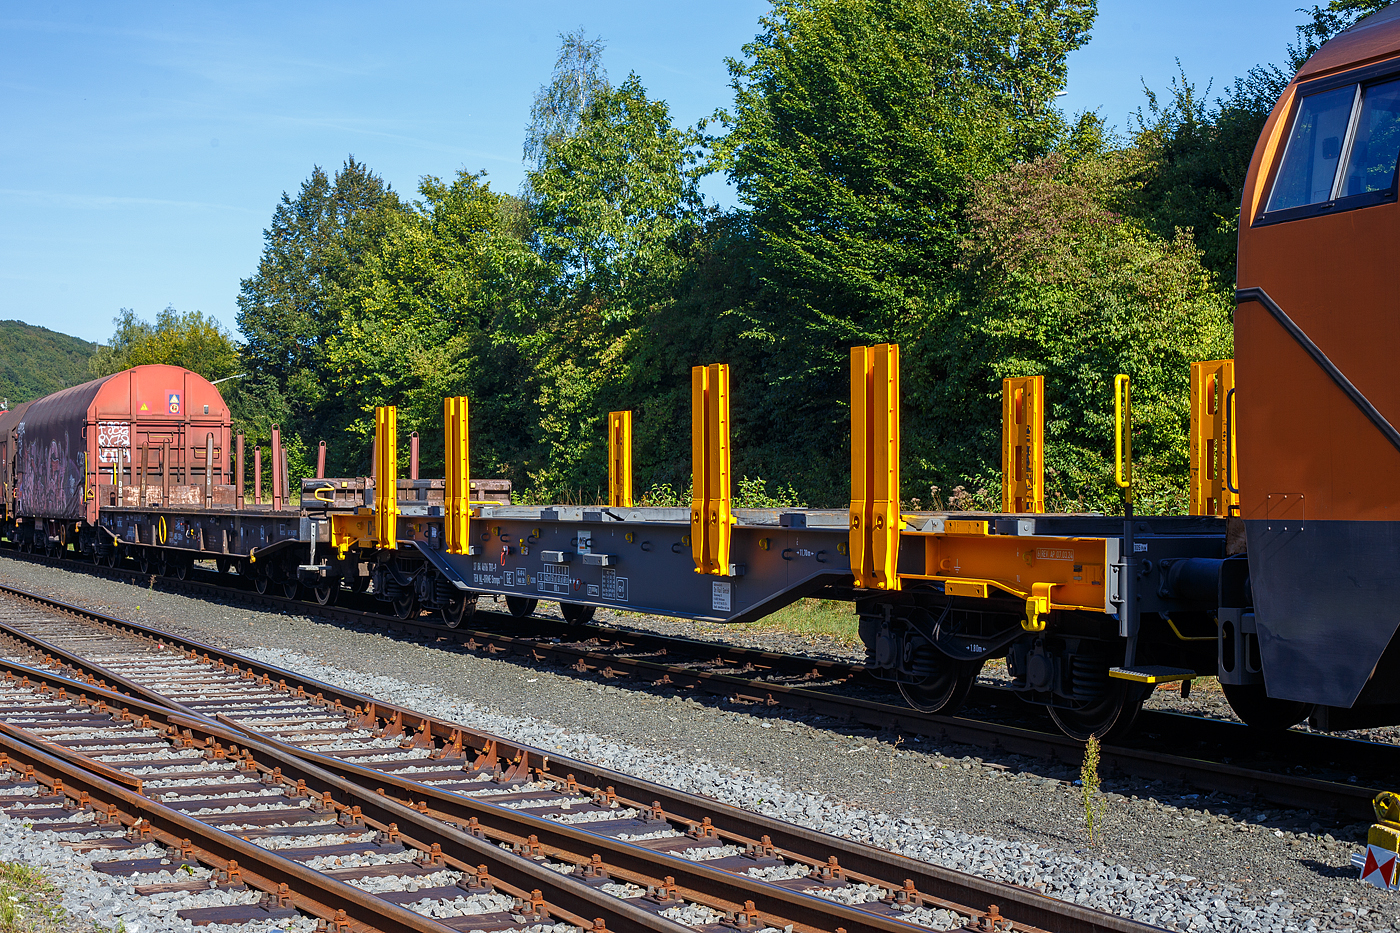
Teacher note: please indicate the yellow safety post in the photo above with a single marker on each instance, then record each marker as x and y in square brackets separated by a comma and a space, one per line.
[874, 516]
[458, 492]
[620, 459]
[709, 443]
[1383, 842]
[1123, 435]
[386, 489]
[1023, 444]
[1212, 438]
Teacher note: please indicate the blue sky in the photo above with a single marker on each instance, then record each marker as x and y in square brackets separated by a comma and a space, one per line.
[145, 145]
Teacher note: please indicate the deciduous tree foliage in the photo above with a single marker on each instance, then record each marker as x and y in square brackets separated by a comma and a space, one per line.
[858, 128]
[903, 177]
[429, 315]
[1063, 285]
[289, 307]
[614, 207]
[191, 339]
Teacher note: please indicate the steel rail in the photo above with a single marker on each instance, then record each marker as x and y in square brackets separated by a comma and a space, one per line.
[308, 890]
[1343, 799]
[693, 880]
[1023, 907]
[567, 898]
[732, 893]
[738, 895]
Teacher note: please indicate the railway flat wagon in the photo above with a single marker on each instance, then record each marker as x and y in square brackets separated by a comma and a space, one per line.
[1282, 582]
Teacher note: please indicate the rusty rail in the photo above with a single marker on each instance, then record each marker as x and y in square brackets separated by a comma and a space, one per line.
[1025, 908]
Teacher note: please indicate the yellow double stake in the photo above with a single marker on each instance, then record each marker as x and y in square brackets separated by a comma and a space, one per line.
[620, 459]
[459, 484]
[1212, 438]
[1023, 444]
[709, 443]
[875, 521]
[386, 483]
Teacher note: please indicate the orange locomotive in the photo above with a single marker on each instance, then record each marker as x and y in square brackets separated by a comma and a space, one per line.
[1316, 332]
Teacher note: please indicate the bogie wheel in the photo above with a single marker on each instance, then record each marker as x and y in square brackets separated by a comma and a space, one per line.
[143, 560]
[98, 559]
[1109, 718]
[261, 583]
[160, 564]
[521, 606]
[179, 567]
[943, 690]
[577, 613]
[360, 583]
[326, 592]
[112, 556]
[1263, 712]
[222, 564]
[405, 605]
[459, 609]
[290, 588]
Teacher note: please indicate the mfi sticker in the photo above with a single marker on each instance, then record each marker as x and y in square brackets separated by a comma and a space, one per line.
[174, 403]
[719, 597]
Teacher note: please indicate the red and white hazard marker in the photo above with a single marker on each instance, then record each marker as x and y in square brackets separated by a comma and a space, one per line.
[1379, 868]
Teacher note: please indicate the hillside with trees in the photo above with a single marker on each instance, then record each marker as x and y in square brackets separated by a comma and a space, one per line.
[35, 361]
[903, 176]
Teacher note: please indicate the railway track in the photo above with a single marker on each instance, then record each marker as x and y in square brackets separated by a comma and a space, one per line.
[665, 855]
[846, 692]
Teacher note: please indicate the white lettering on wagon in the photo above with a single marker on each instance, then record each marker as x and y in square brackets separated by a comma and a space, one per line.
[720, 597]
[1053, 553]
[113, 441]
[614, 587]
[554, 579]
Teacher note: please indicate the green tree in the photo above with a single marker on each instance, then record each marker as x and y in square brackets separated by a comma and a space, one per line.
[424, 320]
[1061, 284]
[192, 340]
[856, 128]
[1196, 154]
[289, 307]
[613, 207]
[579, 77]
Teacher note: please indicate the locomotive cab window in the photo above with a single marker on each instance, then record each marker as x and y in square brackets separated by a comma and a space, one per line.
[1341, 152]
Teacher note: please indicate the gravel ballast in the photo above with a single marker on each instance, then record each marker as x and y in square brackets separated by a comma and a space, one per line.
[1171, 858]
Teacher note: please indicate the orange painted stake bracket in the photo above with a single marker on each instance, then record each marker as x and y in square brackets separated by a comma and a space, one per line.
[1023, 444]
[710, 510]
[386, 482]
[620, 459]
[458, 491]
[1212, 438]
[874, 514]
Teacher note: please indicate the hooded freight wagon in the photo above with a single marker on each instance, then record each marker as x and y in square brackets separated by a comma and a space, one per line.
[149, 435]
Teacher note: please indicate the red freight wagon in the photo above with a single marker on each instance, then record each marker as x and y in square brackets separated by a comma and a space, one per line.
[9, 421]
[149, 435]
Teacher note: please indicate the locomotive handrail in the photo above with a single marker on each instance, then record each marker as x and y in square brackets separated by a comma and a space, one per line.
[1243, 295]
[1230, 442]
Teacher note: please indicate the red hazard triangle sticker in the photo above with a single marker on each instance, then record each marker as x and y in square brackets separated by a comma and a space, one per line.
[1379, 869]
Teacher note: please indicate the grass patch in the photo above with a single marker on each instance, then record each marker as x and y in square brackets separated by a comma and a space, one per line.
[28, 902]
[832, 618]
